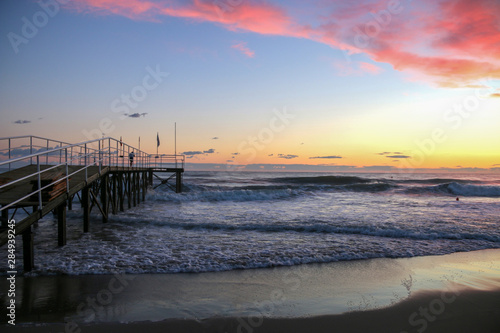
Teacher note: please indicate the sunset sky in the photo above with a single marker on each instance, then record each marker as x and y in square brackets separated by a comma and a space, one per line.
[365, 84]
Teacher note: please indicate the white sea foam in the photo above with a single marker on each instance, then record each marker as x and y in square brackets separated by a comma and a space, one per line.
[223, 223]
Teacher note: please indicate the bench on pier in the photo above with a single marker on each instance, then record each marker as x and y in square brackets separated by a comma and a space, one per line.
[51, 192]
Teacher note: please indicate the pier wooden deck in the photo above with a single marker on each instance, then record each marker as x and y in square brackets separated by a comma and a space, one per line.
[108, 188]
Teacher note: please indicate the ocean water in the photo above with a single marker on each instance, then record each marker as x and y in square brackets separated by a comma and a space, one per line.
[244, 220]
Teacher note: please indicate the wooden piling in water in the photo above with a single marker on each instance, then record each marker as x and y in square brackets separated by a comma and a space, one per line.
[61, 224]
[144, 186]
[114, 199]
[86, 208]
[129, 190]
[178, 182]
[121, 190]
[104, 197]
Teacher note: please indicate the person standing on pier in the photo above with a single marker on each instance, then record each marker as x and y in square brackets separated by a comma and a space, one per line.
[131, 157]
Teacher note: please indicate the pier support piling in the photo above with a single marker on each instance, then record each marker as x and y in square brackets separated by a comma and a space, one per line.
[104, 198]
[178, 182]
[61, 224]
[129, 190]
[86, 208]
[121, 191]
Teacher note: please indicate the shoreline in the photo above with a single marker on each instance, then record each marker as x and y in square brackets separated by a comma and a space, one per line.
[343, 294]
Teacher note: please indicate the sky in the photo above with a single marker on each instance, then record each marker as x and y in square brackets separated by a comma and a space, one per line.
[349, 85]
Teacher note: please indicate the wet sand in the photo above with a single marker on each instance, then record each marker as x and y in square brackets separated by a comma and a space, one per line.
[457, 293]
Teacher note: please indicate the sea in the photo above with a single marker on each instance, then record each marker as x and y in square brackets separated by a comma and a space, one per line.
[247, 220]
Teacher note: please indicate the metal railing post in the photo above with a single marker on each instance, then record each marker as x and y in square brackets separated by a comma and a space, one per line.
[47, 156]
[39, 182]
[99, 155]
[31, 149]
[109, 151]
[67, 170]
[85, 162]
[9, 154]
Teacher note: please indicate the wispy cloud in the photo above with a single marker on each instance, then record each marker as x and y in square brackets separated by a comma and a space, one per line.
[215, 138]
[136, 115]
[495, 95]
[398, 156]
[395, 154]
[355, 68]
[287, 157]
[325, 157]
[22, 122]
[198, 152]
[243, 48]
[369, 68]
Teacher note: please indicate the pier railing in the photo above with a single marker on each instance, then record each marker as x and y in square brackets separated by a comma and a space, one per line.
[11, 147]
[103, 153]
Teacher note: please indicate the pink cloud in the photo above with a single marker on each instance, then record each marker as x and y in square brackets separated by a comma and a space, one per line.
[242, 47]
[370, 68]
[357, 68]
[456, 46]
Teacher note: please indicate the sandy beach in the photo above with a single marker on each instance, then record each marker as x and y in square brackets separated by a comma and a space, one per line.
[458, 292]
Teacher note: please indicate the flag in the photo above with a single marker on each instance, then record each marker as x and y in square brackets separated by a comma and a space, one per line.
[157, 139]
[121, 141]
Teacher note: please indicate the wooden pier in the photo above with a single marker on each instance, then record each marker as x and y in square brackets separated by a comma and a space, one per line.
[38, 189]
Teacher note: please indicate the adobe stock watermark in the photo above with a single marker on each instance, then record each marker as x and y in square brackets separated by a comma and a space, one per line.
[103, 299]
[126, 102]
[453, 117]
[421, 318]
[250, 147]
[31, 26]
[292, 281]
[365, 33]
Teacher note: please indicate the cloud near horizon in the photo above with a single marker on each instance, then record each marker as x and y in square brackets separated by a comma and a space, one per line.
[398, 156]
[457, 46]
[198, 152]
[136, 115]
[287, 156]
[325, 157]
